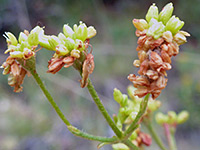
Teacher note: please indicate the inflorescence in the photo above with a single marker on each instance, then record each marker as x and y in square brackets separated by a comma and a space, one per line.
[159, 40]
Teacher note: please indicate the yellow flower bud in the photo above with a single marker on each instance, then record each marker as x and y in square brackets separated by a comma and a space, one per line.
[140, 24]
[182, 117]
[91, 32]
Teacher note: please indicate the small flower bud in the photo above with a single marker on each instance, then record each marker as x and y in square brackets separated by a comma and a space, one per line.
[91, 32]
[136, 63]
[172, 117]
[79, 45]
[43, 41]
[180, 38]
[124, 100]
[6, 70]
[117, 95]
[131, 92]
[10, 38]
[152, 21]
[67, 30]
[182, 117]
[61, 50]
[153, 105]
[156, 30]
[75, 53]
[174, 24]
[133, 136]
[81, 32]
[167, 36]
[69, 43]
[53, 41]
[120, 146]
[152, 12]
[16, 54]
[22, 37]
[161, 118]
[140, 24]
[33, 39]
[166, 13]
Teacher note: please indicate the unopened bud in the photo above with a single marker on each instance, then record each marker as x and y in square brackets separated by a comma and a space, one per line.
[53, 41]
[166, 13]
[182, 117]
[61, 50]
[75, 53]
[22, 37]
[117, 95]
[6, 70]
[140, 24]
[67, 30]
[152, 12]
[69, 43]
[120, 146]
[136, 63]
[167, 36]
[180, 38]
[152, 21]
[131, 92]
[161, 118]
[174, 24]
[156, 30]
[91, 31]
[153, 105]
[10, 38]
[79, 45]
[43, 41]
[172, 117]
[16, 54]
[81, 32]
[33, 39]
[124, 100]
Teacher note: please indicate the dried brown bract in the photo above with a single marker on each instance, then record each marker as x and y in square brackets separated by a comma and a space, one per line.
[16, 73]
[87, 69]
[55, 64]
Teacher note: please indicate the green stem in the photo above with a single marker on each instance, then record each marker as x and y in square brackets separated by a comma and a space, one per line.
[130, 145]
[149, 126]
[103, 110]
[133, 125]
[107, 116]
[71, 128]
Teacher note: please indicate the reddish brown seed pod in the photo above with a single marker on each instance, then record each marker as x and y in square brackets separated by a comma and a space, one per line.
[87, 69]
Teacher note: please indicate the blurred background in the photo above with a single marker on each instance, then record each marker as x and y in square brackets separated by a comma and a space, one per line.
[27, 120]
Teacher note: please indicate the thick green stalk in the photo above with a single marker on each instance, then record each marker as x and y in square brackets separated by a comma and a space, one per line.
[103, 110]
[71, 128]
[130, 145]
[154, 134]
[133, 125]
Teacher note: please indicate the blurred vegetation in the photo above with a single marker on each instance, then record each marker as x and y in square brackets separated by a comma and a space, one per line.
[28, 122]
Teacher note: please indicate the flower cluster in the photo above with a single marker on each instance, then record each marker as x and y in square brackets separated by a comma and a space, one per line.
[172, 118]
[70, 45]
[129, 108]
[159, 40]
[21, 49]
